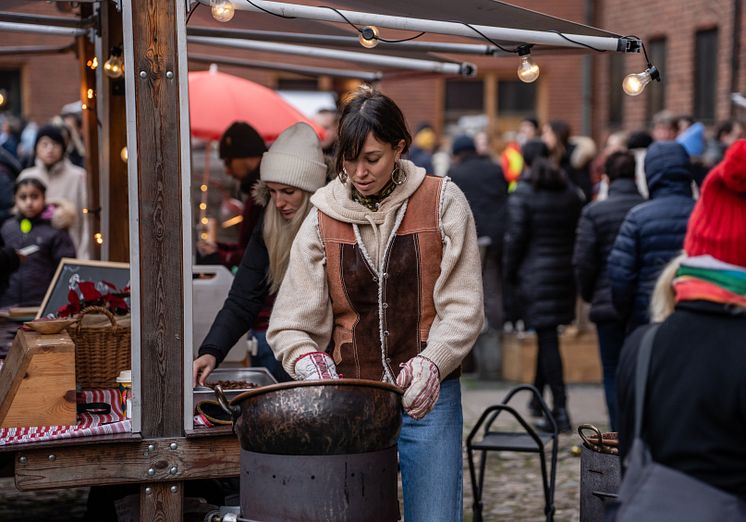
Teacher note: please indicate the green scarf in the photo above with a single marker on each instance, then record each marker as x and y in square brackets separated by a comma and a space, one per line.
[730, 280]
[373, 202]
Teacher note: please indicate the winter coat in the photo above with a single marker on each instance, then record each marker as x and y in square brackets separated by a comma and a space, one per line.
[9, 263]
[577, 164]
[652, 233]
[482, 182]
[245, 303]
[28, 285]
[537, 252]
[9, 169]
[66, 181]
[694, 416]
[597, 230]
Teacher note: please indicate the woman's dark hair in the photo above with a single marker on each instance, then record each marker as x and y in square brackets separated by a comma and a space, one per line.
[369, 111]
[561, 129]
[546, 175]
[33, 182]
[619, 165]
[534, 149]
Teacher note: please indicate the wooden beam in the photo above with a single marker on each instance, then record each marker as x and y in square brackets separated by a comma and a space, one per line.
[86, 51]
[161, 501]
[148, 462]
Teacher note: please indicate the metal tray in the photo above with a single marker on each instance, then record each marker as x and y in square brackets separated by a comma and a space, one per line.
[258, 376]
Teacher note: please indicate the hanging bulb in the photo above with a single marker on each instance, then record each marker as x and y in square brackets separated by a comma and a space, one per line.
[527, 71]
[369, 36]
[222, 10]
[3, 98]
[114, 66]
[123, 154]
[634, 84]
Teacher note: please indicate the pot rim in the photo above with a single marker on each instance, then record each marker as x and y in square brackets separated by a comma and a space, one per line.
[304, 384]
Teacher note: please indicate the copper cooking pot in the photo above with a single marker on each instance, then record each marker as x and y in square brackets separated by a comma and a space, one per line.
[330, 417]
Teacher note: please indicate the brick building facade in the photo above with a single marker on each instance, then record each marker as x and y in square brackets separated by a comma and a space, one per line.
[46, 83]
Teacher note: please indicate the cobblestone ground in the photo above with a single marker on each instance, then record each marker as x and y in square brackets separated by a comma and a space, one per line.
[512, 480]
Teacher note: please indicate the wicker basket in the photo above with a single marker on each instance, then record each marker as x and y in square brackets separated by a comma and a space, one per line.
[100, 352]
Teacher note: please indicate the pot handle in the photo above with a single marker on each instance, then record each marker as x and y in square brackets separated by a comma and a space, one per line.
[233, 411]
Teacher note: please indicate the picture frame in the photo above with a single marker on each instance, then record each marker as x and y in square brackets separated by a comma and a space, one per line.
[70, 270]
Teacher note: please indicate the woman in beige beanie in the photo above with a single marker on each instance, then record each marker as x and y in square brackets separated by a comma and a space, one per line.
[291, 171]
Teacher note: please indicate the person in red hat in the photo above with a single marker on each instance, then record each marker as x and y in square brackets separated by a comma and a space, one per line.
[694, 415]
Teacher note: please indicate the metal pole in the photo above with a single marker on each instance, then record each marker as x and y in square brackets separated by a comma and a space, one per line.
[286, 67]
[35, 49]
[345, 41]
[603, 43]
[465, 69]
[56, 21]
[42, 29]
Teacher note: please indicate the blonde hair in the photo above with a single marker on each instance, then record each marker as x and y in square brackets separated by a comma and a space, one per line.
[664, 299]
[279, 234]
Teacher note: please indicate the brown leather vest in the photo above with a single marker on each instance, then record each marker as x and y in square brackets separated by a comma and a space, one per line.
[370, 332]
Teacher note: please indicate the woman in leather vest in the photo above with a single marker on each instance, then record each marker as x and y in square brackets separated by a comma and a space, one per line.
[384, 283]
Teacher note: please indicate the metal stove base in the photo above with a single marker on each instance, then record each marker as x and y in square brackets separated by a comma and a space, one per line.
[316, 488]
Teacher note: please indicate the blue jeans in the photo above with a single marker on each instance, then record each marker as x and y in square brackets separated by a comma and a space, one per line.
[431, 462]
[610, 342]
[266, 357]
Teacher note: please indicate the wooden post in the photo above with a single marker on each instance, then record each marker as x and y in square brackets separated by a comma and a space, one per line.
[89, 98]
[115, 197]
[158, 134]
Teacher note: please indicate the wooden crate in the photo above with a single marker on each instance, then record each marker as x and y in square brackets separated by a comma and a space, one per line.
[37, 381]
[581, 362]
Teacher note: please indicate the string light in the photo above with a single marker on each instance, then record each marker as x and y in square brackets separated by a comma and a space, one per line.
[3, 98]
[99, 238]
[85, 211]
[203, 206]
[369, 36]
[634, 84]
[203, 188]
[90, 94]
[123, 154]
[114, 66]
[204, 220]
[84, 106]
[92, 64]
[222, 10]
[203, 236]
[528, 70]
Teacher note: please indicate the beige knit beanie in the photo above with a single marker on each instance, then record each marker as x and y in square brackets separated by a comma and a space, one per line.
[295, 159]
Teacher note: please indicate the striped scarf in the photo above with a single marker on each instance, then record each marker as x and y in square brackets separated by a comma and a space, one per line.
[704, 278]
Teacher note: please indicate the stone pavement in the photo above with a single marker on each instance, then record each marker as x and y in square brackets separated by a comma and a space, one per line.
[512, 480]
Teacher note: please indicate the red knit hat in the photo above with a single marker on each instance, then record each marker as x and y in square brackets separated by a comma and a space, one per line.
[717, 226]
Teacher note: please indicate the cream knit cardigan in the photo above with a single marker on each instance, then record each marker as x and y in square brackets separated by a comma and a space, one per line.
[302, 319]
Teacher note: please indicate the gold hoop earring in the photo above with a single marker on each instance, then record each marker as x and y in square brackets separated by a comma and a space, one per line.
[343, 176]
[398, 175]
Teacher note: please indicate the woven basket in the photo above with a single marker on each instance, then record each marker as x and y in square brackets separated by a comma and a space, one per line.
[100, 352]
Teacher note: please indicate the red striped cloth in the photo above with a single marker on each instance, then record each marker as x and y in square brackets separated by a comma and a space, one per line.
[89, 424]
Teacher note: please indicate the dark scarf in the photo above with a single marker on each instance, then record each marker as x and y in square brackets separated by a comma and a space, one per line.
[374, 201]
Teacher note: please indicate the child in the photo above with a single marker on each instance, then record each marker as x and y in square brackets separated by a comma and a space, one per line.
[35, 224]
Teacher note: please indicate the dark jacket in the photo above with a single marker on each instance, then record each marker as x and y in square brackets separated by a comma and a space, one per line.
[29, 283]
[538, 252]
[695, 403]
[652, 233]
[482, 182]
[245, 302]
[597, 230]
[9, 169]
[9, 263]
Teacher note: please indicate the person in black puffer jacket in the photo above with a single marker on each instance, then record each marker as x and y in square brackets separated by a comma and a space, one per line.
[542, 216]
[597, 230]
[652, 233]
[486, 190]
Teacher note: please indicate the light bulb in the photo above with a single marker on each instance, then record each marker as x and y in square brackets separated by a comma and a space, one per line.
[222, 10]
[634, 84]
[3, 98]
[369, 36]
[123, 154]
[528, 71]
[114, 66]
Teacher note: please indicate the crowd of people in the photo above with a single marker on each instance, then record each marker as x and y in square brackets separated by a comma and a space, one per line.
[43, 205]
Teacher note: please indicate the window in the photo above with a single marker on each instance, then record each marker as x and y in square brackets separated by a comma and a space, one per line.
[515, 98]
[293, 84]
[463, 98]
[10, 83]
[616, 94]
[705, 75]
[657, 90]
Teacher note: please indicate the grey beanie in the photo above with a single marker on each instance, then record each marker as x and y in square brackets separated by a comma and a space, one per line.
[295, 159]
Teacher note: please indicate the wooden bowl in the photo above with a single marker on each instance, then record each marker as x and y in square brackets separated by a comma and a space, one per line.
[50, 326]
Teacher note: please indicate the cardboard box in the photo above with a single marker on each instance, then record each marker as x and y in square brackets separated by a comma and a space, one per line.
[581, 361]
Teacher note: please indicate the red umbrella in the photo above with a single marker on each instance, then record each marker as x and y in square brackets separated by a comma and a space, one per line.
[217, 99]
